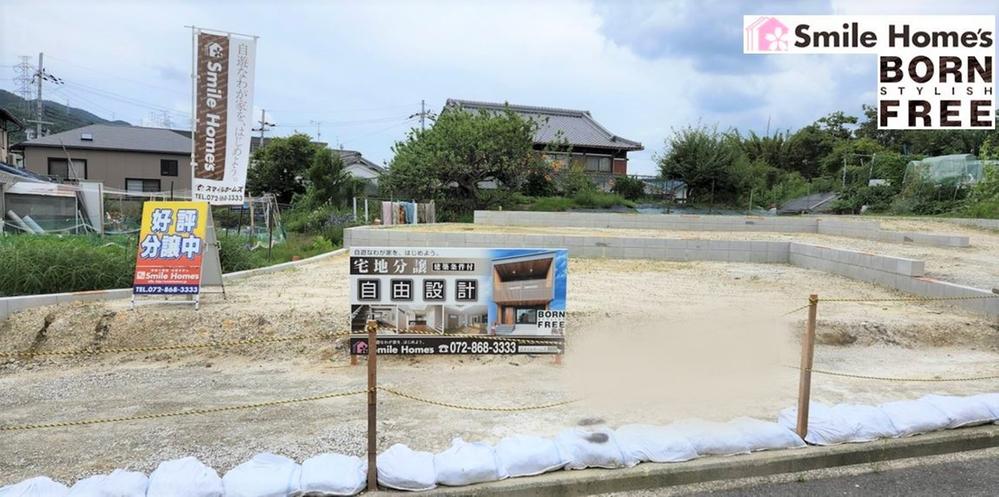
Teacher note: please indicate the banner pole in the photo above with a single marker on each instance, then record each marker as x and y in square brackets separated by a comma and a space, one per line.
[372, 328]
[805, 378]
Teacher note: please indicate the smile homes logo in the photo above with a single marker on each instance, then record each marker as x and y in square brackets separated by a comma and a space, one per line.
[933, 72]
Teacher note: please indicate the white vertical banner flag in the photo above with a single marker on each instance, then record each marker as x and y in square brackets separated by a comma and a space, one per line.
[223, 109]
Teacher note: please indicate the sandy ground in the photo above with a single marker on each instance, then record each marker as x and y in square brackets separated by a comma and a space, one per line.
[649, 341]
[977, 266]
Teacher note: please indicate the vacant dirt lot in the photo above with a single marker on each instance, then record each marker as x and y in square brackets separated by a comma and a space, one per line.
[648, 342]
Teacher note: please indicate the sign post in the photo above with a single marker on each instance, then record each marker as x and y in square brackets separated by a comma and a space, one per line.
[805, 378]
[175, 241]
[372, 328]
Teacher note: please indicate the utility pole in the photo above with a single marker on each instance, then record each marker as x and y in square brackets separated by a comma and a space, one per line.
[39, 116]
[40, 76]
[263, 126]
[422, 114]
[319, 125]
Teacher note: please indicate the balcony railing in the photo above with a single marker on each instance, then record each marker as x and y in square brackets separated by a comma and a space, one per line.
[522, 291]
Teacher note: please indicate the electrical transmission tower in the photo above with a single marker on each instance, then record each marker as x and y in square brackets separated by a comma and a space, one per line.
[23, 74]
[161, 119]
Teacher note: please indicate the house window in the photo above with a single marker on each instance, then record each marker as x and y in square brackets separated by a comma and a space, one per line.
[142, 185]
[168, 167]
[63, 170]
[597, 164]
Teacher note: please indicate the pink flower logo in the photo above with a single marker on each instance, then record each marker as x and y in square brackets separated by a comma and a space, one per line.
[767, 34]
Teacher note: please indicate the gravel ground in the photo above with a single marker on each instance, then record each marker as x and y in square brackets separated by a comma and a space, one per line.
[650, 341]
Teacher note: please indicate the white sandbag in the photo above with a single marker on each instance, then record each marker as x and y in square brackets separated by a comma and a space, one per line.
[186, 477]
[526, 455]
[872, 423]
[119, 483]
[466, 463]
[991, 400]
[265, 475]
[961, 411]
[402, 468]
[912, 417]
[825, 427]
[39, 486]
[332, 474]
[764, 435]
[645, 443]
[710, 438]
[590, 448]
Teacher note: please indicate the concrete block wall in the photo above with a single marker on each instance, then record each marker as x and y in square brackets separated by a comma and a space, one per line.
[868, 230]
[878, 269]
[892, 272]
[647, 221]
[989, 224]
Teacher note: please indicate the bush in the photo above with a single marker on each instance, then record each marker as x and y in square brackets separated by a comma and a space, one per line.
[552, 204]
[235, 255]
[48, 264]
[600, 200]
[628, 187]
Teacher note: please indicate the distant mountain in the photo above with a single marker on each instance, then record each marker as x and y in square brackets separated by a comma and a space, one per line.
[61, 116]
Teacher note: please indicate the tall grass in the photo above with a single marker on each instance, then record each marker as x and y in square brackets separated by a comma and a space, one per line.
[49, 264]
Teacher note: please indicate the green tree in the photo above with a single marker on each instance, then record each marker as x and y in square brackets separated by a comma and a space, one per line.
[451, 160]
[329, 182]
[705, 159]
[281, 167]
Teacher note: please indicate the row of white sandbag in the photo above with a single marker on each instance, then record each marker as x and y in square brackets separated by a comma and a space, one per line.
[846, 423]
[466, 463]
[266, 475]
[269, 475]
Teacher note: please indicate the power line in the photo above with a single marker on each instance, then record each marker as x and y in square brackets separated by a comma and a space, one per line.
[120, 78]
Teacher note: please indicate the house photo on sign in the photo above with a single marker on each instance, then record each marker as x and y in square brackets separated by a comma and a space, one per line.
[459, 300]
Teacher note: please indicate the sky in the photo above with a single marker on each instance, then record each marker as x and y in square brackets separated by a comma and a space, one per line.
[361, 68]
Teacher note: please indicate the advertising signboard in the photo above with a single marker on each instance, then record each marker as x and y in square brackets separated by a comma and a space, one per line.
[223, 115]
[172, 246]
[459, 300]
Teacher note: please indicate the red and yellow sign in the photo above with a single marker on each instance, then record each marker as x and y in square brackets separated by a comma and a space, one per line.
[172, 242]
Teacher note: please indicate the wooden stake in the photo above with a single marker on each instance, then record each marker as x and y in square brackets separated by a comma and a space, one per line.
[372, 327]
[805, 378]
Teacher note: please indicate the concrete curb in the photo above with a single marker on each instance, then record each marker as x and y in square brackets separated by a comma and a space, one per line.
[650, 475]
[10, 305]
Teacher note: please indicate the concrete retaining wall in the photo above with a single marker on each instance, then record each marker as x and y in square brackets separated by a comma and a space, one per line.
[989, 224]
[892, 272]
[868, 230]
[10, 305]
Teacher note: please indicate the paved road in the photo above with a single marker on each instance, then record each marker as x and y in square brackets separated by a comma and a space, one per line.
[973, 478]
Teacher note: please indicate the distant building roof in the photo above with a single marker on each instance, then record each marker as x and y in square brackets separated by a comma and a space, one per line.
[17, 174]
[353, 157]
[110, 137]
[5, 115]
[577, 126]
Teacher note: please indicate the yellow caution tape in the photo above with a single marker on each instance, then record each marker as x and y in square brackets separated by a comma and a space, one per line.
[163, 348]
[888, 378]
[478, 408]
[189, 412]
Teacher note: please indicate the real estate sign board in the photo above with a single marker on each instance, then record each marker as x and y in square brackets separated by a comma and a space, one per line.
[223, 116]
[458, 300]
[172, 245]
